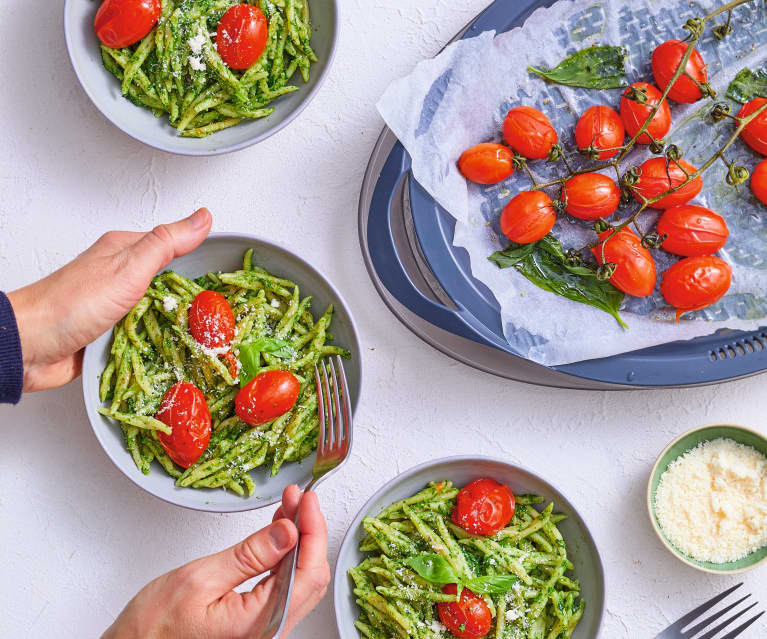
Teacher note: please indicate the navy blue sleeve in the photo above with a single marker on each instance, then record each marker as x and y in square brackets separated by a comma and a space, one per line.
[11, 367]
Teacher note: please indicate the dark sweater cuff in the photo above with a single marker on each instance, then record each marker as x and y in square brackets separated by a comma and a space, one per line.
[11, 366]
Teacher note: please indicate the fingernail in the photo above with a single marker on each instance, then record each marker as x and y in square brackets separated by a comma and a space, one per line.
[281, 537]
[199, 219]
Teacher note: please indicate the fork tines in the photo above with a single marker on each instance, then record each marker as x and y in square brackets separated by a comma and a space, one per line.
[334, 407]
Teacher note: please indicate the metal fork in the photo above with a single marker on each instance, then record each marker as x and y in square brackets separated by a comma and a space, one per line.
[674, 631]
[333, 444]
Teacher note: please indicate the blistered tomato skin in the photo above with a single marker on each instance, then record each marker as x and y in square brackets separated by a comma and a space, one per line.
[695, 283]
[241, 36]
[666, 60]
[635, 272]
[635, 114]
[528, 217]
[183, 408]
[211, 320]
[529, 132]
[590, 196]
[692, 230]
[266, 397]
[469, 618]
[486, 163]
[755, 132]
[483, 507]
[600, 128]
[759, 181]
[659, 175]
[121, 23]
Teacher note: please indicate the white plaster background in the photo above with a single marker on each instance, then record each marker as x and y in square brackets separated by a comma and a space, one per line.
[77, 539]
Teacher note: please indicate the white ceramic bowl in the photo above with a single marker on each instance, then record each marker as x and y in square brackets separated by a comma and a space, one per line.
[461, 470]
[104, 89]
[223, 252]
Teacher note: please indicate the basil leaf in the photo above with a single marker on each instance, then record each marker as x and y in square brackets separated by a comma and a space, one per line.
[249, 355]
[546, 267]
[600, 67]
[511, 255]
[747, 85]
[434, 568]
[491, 585]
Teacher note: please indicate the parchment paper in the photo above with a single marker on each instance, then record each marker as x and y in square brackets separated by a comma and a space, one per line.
[460, 98]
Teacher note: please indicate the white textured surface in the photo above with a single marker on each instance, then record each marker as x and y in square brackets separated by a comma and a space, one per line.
[77, 539]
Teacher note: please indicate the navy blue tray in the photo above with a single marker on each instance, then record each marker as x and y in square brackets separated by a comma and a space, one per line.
[720, 357]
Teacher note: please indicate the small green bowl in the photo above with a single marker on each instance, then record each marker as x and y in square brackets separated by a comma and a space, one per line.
[679, 447]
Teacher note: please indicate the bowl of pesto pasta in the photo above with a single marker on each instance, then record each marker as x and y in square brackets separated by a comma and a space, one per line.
[201, 77]
[204, 393]
[468, 547]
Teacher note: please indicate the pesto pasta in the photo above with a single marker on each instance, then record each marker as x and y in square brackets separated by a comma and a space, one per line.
[416, 549]
[153, 349]
[176, 70]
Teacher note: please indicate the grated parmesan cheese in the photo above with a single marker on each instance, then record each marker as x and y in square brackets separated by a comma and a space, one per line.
[169, 303]
[196, 63]
[711, 502]
[197, 42]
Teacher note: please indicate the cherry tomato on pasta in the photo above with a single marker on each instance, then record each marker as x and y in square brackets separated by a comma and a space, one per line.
[755, 132]
[211, 321]
[484, 507]
[528, 217]
[469, 618]
[634, 113]
[266, 397]
[695, 283]
[590, 196]
[529, 132]
[241, 36]
[759, 181]
[121, 23]
[635, 272]
[666, 59]
[692, 230]
[600, 127]
[659, 175]
[486, 163]
[183, 408]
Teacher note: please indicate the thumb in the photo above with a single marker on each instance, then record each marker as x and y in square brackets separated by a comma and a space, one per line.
[155, 250]
[253, 556]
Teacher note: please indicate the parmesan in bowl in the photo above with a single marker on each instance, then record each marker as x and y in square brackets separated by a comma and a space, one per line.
[708, 498]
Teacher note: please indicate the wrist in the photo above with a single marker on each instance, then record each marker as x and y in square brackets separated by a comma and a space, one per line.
[24, 310]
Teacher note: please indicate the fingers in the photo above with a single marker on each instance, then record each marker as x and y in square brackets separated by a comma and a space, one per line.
[291, 497]
[251, 557]
[156, 249]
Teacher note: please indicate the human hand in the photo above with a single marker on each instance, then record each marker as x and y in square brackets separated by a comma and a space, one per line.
[59, 315]
[198, 600]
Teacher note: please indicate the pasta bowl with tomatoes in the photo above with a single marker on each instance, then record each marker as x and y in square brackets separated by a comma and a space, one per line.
[204, 394]
[468, 547]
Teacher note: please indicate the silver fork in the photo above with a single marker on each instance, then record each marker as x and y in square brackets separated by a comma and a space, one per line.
[674, 631]
[333, 444]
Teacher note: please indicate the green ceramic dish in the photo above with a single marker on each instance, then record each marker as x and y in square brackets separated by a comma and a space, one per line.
[679, 447]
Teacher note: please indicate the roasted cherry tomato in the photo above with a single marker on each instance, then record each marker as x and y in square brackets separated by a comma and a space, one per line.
[666, 60]
[634, 113]
[266, 397]
[692, 230]
[183, 408]
[231, 362]
[634, 267]
[528, 217]
[486, 163]
[483, 507]
[241, 36]
[695, 282]
[600, 128]
[658, 175]
[121, 23]
[589, 196]
[529, 132]
[755, 132]
[759, 181]
[211, 321]
[469, 618]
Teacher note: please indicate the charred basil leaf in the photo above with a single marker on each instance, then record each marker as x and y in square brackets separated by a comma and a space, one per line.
[601, 67]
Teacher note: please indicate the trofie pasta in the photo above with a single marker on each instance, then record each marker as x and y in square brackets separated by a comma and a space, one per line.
[154, 350]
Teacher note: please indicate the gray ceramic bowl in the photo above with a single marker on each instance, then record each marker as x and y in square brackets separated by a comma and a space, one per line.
[224, 251]
[461, 470]
[104, 90]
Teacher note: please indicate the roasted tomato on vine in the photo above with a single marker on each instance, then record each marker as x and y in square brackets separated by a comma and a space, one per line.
[486, 163]
[529, 132]
[590, 196]
[241, 36]
[211, 320]
[484, 507]
[659, 175]
[183, 408]
[759, 181]
[666, 60]
[266, 397]
[528, 217]
[600, 127]
[695, 283]
[636, 104]
[469, 618]
[634, 266]
[755, 132]
[692, 230]
[121, 23]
